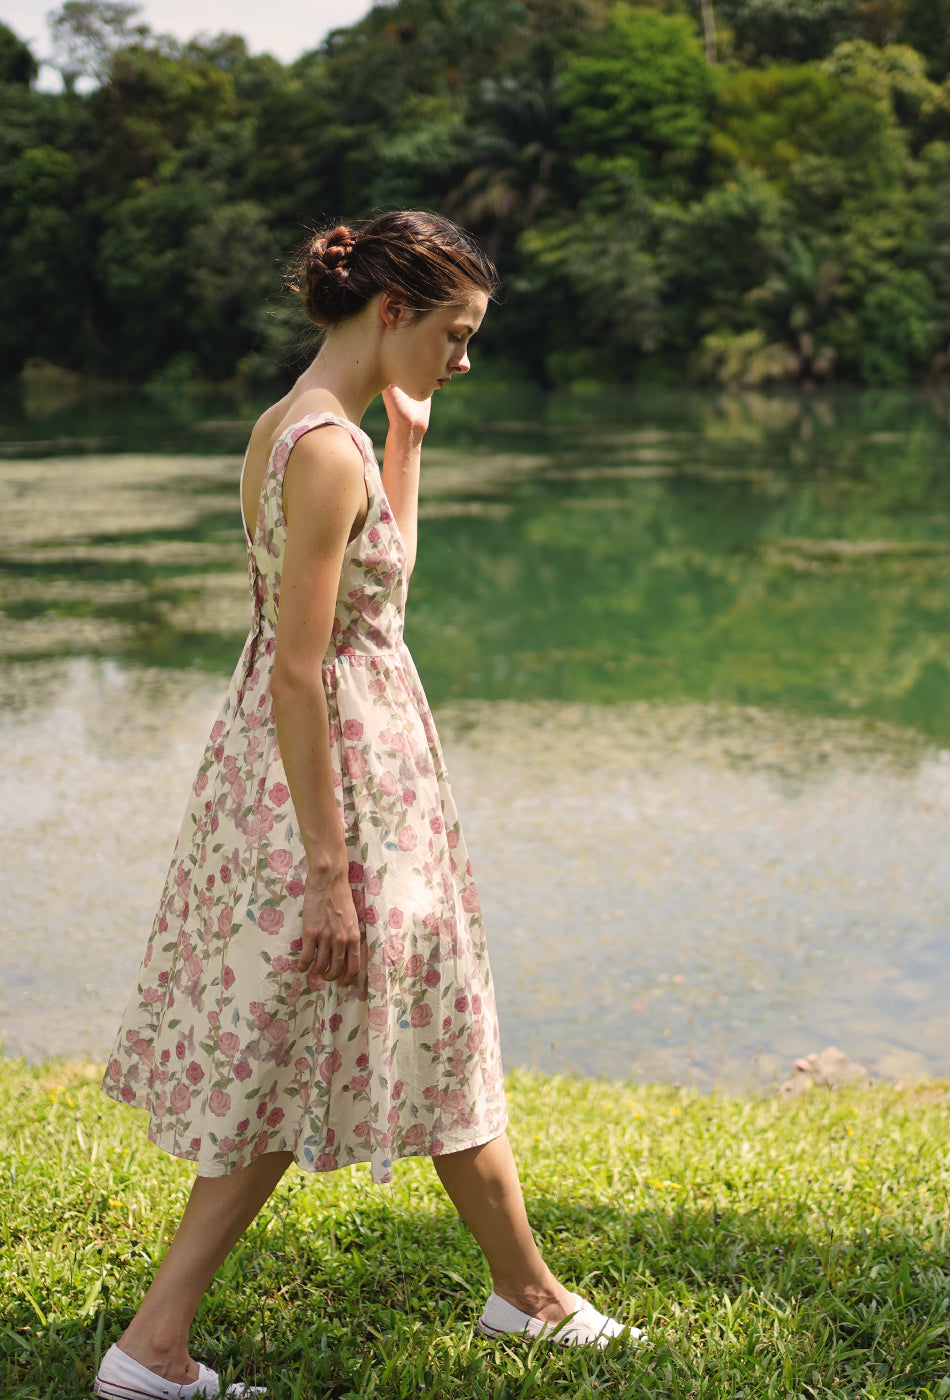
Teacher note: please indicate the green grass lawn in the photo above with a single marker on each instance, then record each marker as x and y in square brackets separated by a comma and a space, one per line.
[769, 1248]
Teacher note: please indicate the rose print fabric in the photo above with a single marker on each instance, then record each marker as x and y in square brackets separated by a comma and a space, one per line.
[231, 1050]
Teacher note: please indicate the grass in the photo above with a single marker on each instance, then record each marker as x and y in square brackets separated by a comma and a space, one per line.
[771, 1249]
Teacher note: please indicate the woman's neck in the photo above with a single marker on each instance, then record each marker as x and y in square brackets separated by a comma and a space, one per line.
[348, 366]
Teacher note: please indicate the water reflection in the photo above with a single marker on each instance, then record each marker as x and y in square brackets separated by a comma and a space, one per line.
[680, 892]
[740, 857]
[565, 560]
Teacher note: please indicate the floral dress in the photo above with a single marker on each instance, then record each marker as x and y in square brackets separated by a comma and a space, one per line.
[232, 1051]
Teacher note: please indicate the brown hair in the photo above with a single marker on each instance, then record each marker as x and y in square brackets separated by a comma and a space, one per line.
[423, 259]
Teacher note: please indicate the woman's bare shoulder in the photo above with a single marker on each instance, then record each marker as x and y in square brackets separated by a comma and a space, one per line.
[337, 443]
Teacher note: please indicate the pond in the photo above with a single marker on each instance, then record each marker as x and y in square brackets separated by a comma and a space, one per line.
[690, 656]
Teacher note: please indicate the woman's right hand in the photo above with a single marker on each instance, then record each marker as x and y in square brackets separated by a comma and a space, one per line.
[332, 944]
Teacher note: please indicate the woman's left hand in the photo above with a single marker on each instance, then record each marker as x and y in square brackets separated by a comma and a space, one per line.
[406, 416]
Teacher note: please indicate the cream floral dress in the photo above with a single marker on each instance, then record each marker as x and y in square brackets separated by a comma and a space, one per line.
[231, 1050]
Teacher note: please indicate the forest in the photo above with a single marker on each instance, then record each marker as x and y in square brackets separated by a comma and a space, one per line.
[744, 192]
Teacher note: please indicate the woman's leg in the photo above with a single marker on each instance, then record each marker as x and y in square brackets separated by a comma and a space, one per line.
[484, 1186]
[218, 1212]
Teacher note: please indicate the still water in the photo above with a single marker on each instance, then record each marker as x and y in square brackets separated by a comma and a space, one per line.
[691, 660]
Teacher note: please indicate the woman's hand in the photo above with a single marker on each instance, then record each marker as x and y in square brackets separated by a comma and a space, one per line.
[407, 417]
[332, 945]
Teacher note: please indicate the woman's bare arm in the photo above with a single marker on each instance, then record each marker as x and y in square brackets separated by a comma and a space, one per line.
[408, 421]
[324, 495]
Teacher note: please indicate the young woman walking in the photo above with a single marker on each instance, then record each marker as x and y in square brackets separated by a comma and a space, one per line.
[316, 988]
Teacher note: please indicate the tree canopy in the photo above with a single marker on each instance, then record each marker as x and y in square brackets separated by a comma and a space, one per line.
[747, 190]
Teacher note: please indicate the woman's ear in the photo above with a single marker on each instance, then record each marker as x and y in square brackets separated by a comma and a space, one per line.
[392, 312]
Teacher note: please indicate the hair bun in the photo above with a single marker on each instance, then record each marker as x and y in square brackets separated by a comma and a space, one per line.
[337, 249]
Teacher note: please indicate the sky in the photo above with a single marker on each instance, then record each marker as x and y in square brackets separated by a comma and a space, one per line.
[286, 28]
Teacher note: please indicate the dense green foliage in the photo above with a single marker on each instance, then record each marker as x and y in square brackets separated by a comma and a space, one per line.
[766, 198]
[771, 1250]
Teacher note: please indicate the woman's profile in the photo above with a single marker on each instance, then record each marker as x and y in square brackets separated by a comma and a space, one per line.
[316, 987]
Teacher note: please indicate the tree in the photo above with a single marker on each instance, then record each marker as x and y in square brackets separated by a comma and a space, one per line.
[17, 64]
[86, 33]
[593, 282]
[643, 91]
[830, 144]
[791, 31]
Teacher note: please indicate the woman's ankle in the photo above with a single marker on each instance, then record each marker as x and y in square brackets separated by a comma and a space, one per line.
[546, 1299]
[167, 1357]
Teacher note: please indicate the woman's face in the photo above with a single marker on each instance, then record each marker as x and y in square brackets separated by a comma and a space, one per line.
[423, 355]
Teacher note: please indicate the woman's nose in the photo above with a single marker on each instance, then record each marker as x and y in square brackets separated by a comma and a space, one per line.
[462, 364]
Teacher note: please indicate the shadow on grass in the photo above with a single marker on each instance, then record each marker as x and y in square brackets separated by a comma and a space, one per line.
[378, 1295]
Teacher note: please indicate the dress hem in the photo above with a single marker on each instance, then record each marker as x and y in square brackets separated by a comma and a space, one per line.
[357, 1158]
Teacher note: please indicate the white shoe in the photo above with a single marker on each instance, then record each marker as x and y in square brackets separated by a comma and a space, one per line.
[585, 1326]
[122, 1378]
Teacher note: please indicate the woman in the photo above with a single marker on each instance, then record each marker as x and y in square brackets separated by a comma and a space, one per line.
[316, 987]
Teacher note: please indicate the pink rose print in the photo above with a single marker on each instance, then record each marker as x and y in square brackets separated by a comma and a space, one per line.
[330, 1065]
[227, 978]
[352, 729]
[470, 899]
[461, 1003]
[387, 783]
[355, 762]
[414, 965]
[355, 873]
[374, 885]
[295, 888]
[217, 729]
[433, 977]
[420, 1015]
[378, 1018]
[180, 1100]
[194, 1073]
[393, 949]
[281, 861]
[270, 921]
[452, 839]
[279, 793]
[242, 1070]
[274, 1030]
[406, 839]
[275, 1117]
[395, 918]
[260, 823]
[229, 1044]
[224, 921]
[201, 782]
[219, 1101]
[415, 1135]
